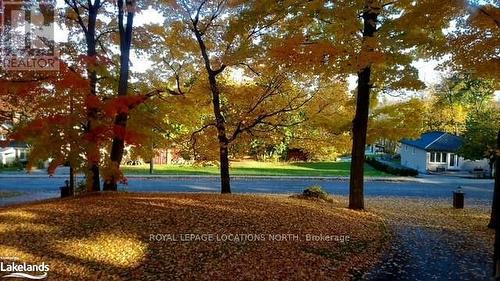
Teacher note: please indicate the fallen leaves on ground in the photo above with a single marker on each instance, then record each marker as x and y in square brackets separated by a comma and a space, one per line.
[434, 241]
[108, 237]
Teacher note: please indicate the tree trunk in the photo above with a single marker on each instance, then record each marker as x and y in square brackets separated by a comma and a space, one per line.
[491, 163]
[221, 135]
[71, 181]
[219, 118]
[93, 183]
[120, 123]
[151, 160]
[496, 192]
[224, 167]
[360, 122]
[495, 210]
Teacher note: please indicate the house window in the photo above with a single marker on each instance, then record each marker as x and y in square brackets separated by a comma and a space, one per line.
[443, 157]
[438, 157]
[406, 148]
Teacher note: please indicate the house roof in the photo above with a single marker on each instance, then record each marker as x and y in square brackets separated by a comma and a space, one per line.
[436, 141]
[14, 144]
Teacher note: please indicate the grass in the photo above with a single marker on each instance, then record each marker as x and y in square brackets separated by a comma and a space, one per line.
[254, 168]
[108, 237]
[10, 168]
[7, 194]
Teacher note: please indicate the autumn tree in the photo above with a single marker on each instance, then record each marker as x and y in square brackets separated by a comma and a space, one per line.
[394, 121]
[480, 135]
[226, 37]
[474, 45]
[126, 12]
[54, 128]
[84, 15]
[475, 39]
[377, 41]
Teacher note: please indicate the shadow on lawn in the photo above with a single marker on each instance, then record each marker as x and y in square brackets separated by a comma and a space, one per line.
[108, 237]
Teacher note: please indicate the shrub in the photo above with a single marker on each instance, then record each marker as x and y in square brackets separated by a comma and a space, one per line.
[16, 165]
[81, 187]
[315, 191]
[398, 171]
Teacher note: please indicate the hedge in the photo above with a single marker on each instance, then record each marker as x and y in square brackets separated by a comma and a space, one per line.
[398, 171]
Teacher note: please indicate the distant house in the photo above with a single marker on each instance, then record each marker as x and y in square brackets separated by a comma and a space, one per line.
[437, 151]
[14, 151]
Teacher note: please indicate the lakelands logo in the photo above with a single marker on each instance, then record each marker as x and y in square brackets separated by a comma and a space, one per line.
[27, 29]
[17, 270]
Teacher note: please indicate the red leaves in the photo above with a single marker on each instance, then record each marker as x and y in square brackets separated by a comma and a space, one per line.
[128, 136]
[119, 132]
[92, 102]
[4, 143]
[122, 104]
[95, 61]
[98, 134]
[54, 164]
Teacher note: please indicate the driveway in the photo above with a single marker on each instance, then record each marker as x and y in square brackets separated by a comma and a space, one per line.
[478, 191]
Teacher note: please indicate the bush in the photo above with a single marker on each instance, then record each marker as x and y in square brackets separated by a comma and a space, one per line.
[315, 191]
[81, 187]
[398, 171]
[16, 165]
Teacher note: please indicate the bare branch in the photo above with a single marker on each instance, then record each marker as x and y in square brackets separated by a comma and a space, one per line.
[250, 67]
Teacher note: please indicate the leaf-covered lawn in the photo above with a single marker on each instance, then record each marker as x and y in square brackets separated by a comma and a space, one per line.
[108, 237]
[254, 168]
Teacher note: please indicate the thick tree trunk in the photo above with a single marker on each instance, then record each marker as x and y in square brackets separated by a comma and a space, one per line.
[120, 123]
[93, 182]
[360, 122]
[495, 212]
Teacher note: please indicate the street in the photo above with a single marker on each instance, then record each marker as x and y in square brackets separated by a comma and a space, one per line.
[478, 191]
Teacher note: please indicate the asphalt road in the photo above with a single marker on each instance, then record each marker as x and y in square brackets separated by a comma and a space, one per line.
[432, 187]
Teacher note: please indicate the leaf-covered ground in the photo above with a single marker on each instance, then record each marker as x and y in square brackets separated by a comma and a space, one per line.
[108, 237]
[433, 241]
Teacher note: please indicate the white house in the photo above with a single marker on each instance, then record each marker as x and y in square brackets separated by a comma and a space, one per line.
[14, 151]
[436, 151]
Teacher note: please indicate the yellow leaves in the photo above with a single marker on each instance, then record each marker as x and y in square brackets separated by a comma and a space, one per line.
[369, 58]
[18, 214]
[485, 17]
[109, 248]
[288, 49]
[28, 227]
[396, 121]
[370, 53]
[110, 239]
